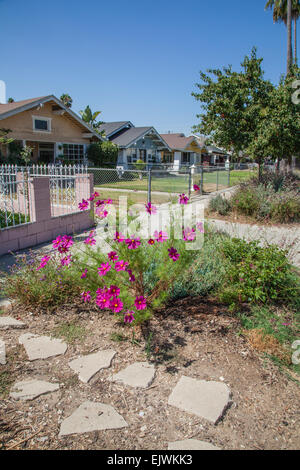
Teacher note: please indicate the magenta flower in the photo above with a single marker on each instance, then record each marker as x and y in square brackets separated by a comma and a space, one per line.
[131, 276]
[189, 234]
[116, 305]
[129, 318]
[114, 291]
[102, 300]
[93, 196]
[90, 241]
[173, 254]
[83, 275]
[65, 244]
[99, 203]
[56, 243]
[108, 201]
[140, 303]
[83, 205]
[104, 269]
[183, 199]
[196, 187]
[121, 265]
[66, 260]
[133, 243]
[119, 237]
[112, 255]
[43, 262]
[101, 213]
[160, 236]
[150, 208]
[200, 227]
[86, 297]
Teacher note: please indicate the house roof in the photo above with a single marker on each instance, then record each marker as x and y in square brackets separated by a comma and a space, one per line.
[10, 109]
[111, 128]
[214, 149]
[178, 141]
[130, 136]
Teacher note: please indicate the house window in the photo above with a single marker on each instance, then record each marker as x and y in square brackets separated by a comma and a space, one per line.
[167, 157]
[186, 157]
[73, 153]
[41, 124]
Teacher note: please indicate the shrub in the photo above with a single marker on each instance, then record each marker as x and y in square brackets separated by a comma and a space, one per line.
[220, 205]
[8, 219]
[102, 153]
[286, 208]
[257, 274]
[245, 201]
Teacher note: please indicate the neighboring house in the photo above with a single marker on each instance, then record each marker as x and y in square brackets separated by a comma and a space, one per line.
[184, 151]
[52, 130]
[214, 156]
[135, 143]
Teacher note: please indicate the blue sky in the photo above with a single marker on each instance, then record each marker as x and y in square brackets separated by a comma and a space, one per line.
[133, 60]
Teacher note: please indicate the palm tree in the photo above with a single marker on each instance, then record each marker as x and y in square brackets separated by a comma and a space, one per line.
[286, 11]
[67, 100]
[90, 118]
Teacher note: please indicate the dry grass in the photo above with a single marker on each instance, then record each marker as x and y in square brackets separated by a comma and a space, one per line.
[265, 343]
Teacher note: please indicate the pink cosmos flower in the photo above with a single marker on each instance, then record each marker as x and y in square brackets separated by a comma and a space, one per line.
[131, 276]
[189, 234]
[101, 213]
[196, 187]
[160, 236]
[90, 241]
[43, 262]
[114, 291]
[63, 244]
[183, 199]
[104, 269]
[112, 255]
[66, 260]
[121, 265]
[173, 254]
[133, 243]
[93, 196]
[83, 275]
[151, 241]
[99, 203]
[200, 227]
[119, 237]
[102, 300]
[116, 305]
[57, 241]
[129, 318]
[150, 208]
[86, 297]
[140, 303]
[83, 205]
[108, 201]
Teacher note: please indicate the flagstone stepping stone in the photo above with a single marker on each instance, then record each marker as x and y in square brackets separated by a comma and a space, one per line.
[2, 353]
[87, 366]
[42, 347]
[30, 389]
[5, 305]
[207, 399]
[10, 322]
[139, 374]
[92, 416]
[191, 444]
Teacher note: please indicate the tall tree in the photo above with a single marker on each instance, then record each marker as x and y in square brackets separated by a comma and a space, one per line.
[67, 100]
[280, 13]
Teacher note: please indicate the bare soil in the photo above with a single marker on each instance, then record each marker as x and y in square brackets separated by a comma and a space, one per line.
[192, 337]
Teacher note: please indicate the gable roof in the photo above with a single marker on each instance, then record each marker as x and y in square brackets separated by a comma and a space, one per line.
[178, 141]
[111, 128]
[133, 134]
[10, 109]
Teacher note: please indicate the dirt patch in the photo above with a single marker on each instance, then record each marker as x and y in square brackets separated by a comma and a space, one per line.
[192, 337]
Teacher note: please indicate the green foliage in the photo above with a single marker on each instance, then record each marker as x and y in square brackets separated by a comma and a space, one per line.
[140, 165]
[103, 153]
[90, 118]
[257, 274]
[245, 201]
[219, 204]
[12, 219]
[286, 209]
[70, 332]
[45, 288]
[67, 100]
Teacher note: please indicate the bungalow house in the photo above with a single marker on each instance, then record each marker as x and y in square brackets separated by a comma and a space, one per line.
[135, 143]
[184, 151]
[214, 156]
[53, 131]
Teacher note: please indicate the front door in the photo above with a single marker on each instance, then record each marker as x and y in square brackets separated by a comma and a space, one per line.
[143, 155]
[46, 153]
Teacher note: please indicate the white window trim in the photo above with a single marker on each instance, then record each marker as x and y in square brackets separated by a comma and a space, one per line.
[42, 118]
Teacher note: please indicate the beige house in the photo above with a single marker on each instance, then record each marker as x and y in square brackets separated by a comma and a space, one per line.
[54, 132]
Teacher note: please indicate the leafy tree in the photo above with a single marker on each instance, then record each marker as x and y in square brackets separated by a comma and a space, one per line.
[90, 118]
[233, 104]
[102, 153]
[10, 100]
[67, 100]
